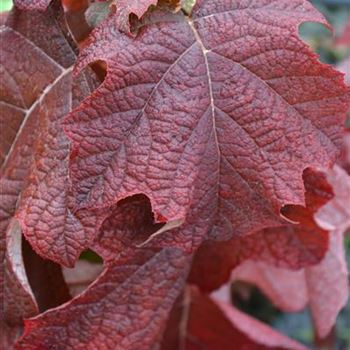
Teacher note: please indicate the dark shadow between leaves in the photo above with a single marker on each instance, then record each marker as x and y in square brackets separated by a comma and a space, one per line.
[45, 278]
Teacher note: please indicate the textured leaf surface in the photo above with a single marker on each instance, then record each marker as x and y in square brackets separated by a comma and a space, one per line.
[127, 306]
[291, 246]
[324, 286]
[124, 8]
[210, 117]
[197, 322]
[32, 4]
[36, 94]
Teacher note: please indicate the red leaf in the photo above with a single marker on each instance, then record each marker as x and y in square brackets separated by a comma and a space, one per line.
[198, 322]
[124, 8]
[32, 4]
[37, 94]
[290, 246]
[130, 223]
[324, 286]
[128, 305]
[199, 115]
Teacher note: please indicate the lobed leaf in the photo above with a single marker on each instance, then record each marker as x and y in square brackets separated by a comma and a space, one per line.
[292, 246]
[124, 8]
[127, 306]
[323, 286]
[213, 118]
[36, 94]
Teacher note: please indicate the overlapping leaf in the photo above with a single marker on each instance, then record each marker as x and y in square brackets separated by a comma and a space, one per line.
[213, 118]
[198, 322]
[323, 286]
[36, 94]
[292, 246]
[32, 4]
[208, 121]
[127, 306]
[124, 8]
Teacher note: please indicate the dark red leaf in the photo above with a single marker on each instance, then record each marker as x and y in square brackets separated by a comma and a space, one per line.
[32, 4]
[36, 94]
[127, 306]
[290, 246]
[124, 8]
[130, 223]
[197, 322]
[323, 286]
[214, 118]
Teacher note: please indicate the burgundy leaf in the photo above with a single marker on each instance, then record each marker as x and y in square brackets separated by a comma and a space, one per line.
[32, 4]
[127, 306]
[214, 118]
[36, 93]
[75, 5]
[197, 322]
[124, 8]
[292, 246]
[324, 286]
[130, 223]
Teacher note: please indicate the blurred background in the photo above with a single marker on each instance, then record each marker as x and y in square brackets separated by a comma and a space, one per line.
[333, 49]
